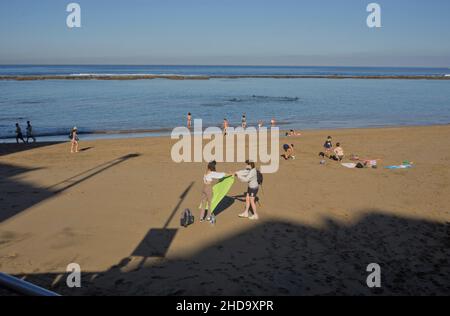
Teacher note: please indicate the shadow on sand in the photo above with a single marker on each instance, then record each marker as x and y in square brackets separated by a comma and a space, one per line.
[12, 190]
[7, 149]
[281, 258]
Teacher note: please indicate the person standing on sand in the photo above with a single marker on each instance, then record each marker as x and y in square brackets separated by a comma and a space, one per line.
[272, 122]
[207, 192]
[328, 146]
[260, 124]
[30, 132]
[244, 121]
[249, 175]
[74, 140]
[225, 126]
[189, 120]
[19, 134]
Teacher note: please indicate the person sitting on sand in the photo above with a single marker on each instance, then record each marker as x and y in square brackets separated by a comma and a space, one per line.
[74, 140]
[322, 158]
[207, 192]
[19, 134]
[338, 153]
[288, 151]
[250, 176]
[30, 132]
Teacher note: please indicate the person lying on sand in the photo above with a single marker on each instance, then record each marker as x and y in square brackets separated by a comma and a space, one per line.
[250, 176]
[293, 133]
[288, 151]
[207, 192]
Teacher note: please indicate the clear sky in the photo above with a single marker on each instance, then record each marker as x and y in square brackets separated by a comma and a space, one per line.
[223, 32]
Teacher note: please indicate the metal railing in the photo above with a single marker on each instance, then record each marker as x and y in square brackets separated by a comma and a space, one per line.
[23, 287]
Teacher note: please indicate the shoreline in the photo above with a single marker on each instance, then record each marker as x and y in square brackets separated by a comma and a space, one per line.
[166, 133]
[208, 77]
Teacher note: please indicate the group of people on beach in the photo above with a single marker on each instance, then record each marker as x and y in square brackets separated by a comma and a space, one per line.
[332, 152]
[29, 133]
[226, 124]
[248, 175]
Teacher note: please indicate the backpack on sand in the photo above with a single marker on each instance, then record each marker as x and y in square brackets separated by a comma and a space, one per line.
[259, 177]
[186, 218]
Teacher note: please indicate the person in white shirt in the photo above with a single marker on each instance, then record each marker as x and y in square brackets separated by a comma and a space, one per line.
[207, 193]
[250, 176]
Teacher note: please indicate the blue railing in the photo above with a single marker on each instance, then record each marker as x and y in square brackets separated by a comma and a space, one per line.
[23, 287]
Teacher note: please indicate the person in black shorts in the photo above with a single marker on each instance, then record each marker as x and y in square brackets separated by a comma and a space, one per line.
[250, 176]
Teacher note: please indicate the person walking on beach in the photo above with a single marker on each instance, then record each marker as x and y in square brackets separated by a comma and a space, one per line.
[19, 134]
[189, 120]
[260, 124]
[225, 126]
[30, 133]
[207, 192]
[249, 175]
[74, 140]
[244, 121]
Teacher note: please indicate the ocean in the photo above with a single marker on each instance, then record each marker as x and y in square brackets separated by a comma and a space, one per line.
[132, 108]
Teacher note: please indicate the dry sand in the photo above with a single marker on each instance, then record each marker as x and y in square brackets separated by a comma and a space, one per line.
[114, 209]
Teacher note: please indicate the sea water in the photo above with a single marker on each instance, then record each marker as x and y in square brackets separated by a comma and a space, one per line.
[130, 108]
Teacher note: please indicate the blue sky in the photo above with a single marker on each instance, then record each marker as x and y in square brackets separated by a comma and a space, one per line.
[237, 32]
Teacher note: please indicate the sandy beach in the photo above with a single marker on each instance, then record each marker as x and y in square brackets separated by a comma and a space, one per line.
[114, 209]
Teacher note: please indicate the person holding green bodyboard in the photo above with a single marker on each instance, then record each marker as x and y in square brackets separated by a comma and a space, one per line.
[253, 178]
[211, 197]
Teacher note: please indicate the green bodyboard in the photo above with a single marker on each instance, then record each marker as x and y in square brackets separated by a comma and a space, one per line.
[220, 190]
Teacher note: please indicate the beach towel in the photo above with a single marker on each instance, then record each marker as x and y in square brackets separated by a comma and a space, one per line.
[399, 167]
[350, 165]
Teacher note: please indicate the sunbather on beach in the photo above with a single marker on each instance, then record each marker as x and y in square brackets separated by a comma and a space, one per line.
[250, 176]
[292, 133]
[207, 193]
[288, 151]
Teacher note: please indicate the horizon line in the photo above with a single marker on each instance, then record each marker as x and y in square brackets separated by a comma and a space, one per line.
[220, 65]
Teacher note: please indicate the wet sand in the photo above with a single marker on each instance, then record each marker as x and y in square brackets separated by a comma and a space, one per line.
[114, 208]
